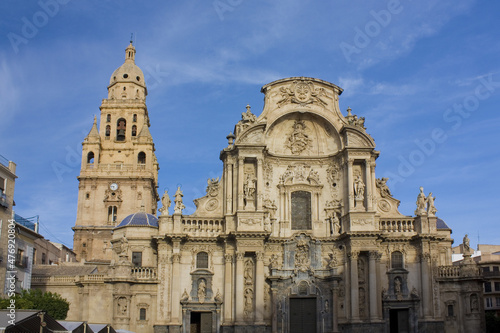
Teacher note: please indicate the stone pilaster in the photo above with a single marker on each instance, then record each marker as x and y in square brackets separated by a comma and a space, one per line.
[353, 257]
[259, 288]
[239, 306]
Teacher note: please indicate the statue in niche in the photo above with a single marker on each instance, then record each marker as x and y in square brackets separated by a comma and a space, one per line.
[331, 261]
[327, 306]
[166, 202]
[397, 287]
[298, 141]
[381, 183]
[202, 290]
[474, 304]
[122, 306]
[361, 270]
[248, 302]
[431, 209]
[302, 255]
[271, 207]
[123, 247]
[359, 188]
[248, 272]
[218, 297]
[421, 201]
[179, 206]
[249, 187]
[334, 224]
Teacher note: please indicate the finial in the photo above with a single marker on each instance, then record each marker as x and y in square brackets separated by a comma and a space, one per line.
[248, 108]
[131, 38]
[349, 111]
[230, 138]
[95, 119]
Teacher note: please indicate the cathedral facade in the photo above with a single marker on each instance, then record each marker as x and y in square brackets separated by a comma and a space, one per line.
[297, 235]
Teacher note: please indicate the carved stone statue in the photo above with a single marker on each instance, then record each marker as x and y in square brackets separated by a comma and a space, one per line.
[381, 183]
[421, 201]
[213, 186]
[397, 287]
[359, 188]
[249, 187]
[218, 297]
[335, 224]
[271, 207]
[166, 202]
[123, 247]
[431, 209]
[202, 290]
[179, 206]
[466, 245]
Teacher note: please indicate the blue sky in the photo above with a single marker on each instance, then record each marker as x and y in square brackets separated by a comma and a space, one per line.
[424, 74]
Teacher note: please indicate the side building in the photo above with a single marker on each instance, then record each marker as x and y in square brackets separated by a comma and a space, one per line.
[297, 235]
[7, 185]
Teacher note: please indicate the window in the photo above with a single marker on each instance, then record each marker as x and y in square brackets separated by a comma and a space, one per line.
[43, 258]
[495, 268]
[112, 212]
[2, 185]
[142, 314]
[134, 130]
[487, 287]
[121, 126]
[397, 259]
[134, 118]
[202, 260]
[141, 158]
[497, 301]
[450, 310]
[90, 157]
[489, 303]
[137, 259]
[486, 269]
[497, 286]
[301, 210]
[108, 118]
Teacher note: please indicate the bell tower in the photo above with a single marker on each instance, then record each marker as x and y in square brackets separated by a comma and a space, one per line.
[119, 173]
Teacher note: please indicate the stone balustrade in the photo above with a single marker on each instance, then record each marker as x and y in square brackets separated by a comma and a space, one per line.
[397, 225]
[449, 271]
[203, 227]
[144, 273]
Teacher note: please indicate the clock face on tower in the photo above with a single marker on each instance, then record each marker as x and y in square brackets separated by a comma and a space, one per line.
[113, 186]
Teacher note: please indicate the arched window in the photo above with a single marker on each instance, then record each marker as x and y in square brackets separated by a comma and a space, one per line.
[202, 260]
[108, 118]
[301, 210]
[141, 158]
[134, 118]
[396, 259]
[121, 126]
[142, 314]
[108, 131]
[134, 130]
[112, 212]
[90, 157]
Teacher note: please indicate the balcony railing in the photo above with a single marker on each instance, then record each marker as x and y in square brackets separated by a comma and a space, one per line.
[397, 225]
[203, 227]
[144, 273]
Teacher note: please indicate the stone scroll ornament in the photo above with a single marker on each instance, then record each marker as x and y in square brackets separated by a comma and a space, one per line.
[303, 93]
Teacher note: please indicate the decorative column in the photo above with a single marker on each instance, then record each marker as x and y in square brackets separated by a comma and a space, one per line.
[369, 189]
[239, 287]
[372, 267]
[334, 310]
[260, 181]
[350, 184]
[354, 285]
[259, 288]
[229, 188]
[228, 283]
[241, 180]
[374, 187]
[426, 290]
[176, 259]
[164, 277]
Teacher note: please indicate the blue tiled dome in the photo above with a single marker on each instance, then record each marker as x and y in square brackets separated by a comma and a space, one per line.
[140, 219]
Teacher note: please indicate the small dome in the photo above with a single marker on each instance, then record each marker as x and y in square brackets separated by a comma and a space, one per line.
[128, 72]
[140, 219]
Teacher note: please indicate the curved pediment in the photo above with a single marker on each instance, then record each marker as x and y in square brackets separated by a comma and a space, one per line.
[354, 138]
[298, 134]
[253, 135]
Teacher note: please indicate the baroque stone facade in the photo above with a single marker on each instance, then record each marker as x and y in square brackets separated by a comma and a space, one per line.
[297, 235]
